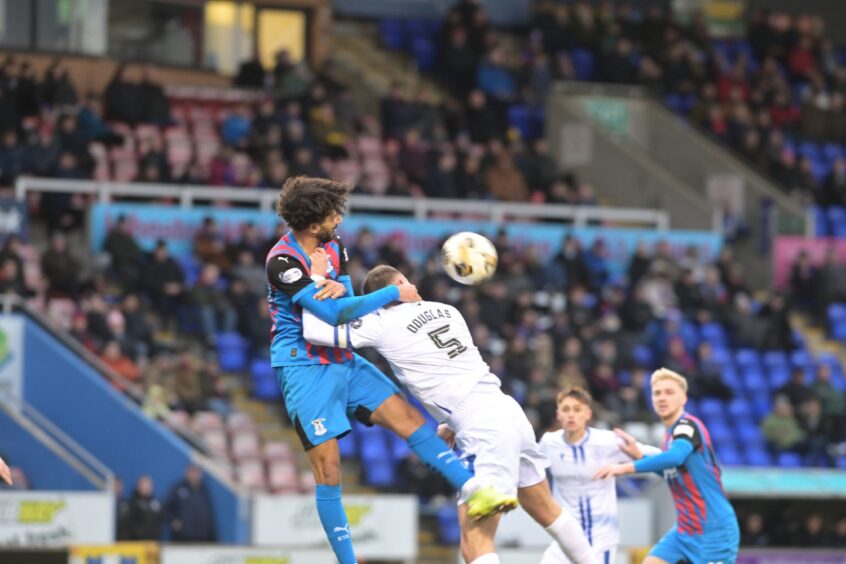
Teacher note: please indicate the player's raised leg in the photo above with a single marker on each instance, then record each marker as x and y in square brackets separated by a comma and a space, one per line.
[538, 502]
[375, 399]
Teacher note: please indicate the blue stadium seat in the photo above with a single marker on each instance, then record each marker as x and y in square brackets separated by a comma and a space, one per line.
[372, 444]
[747, 357]
[425, 53]
[837, 321]
[710, 407]
[761, 405]
[809, 149]
[779, 375]
[820, 221]
[190, 267]
[721, 433]
[738, 409]
[748, 434]
[714, 333]
[584, 63]
[520, 118]
[347, 446]
[642, 355]
[841, 462]
[689, 335]
[380, 473]
[754, 381]
[392, 33]
[775, 358]
[757, 457]
[789, 460]
[675, 103]
[729, 456]
[832, 151]
[448, 528]
[420, 28]
[801, 359]
[231, 351]
[836, 216]
[265, 385]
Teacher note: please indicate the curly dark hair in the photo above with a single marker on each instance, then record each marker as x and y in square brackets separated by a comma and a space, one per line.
[305, 200]
[378, 277]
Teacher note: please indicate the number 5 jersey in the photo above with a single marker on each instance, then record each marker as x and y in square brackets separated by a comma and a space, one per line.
[427, 344]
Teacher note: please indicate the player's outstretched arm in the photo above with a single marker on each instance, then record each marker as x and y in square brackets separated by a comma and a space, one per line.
[632, 448]
[673, 457]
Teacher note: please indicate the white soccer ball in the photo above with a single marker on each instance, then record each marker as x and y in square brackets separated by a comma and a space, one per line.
[469, 258]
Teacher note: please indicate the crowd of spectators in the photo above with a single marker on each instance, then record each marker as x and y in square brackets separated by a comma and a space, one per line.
[789, 527]
[185, 515]
[763, 94]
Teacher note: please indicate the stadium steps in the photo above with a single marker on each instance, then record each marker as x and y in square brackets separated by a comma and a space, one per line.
[359, 62]
[816, 339]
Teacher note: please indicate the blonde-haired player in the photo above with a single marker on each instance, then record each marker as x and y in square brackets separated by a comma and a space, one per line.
[575, 453]
[706, 527]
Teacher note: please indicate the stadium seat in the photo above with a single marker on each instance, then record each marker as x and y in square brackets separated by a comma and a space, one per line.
[380, 473]
[245, 445]
[519, 117]
[757, 457]
[841, 462]
[748, 434]
[747, 357]
[282, 477]
[448, 528]
[251, 475]
[398, 446]
[425, 53]
[239, 420]
[754, 381]
[714, 333]
[721, 432]
[778, 376]
[392, 33]
[207, 421]
[215, 440]
[711, 408]
[789, 460]
[307, 482]
[836, 216]
[837, 321]
[761, 406]
[277, 451]
[729, 456]
[265, 385]
[348, 446]
[801, 359]
[775, 358]
[642, 355]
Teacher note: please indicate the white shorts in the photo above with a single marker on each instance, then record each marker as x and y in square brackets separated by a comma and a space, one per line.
[554, 555]
[497, 441]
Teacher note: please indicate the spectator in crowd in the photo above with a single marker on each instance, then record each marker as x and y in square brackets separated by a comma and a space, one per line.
[145, 512]
[122, 528]
[164, 281]
[60, 269]
[795, 390]
[189, 513]
[753, 532]
[781, 429]
[124, 252]
[215, 312]
[833, 403]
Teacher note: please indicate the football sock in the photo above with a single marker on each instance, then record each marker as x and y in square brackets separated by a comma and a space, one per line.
[334, 520]
[571, 538]
[434, 452]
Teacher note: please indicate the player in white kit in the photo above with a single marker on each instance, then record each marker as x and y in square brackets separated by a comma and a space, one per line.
[431, 351]
[575, 453]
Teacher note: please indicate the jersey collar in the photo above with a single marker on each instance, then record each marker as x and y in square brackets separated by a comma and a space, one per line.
[580, 443]
[294, 243]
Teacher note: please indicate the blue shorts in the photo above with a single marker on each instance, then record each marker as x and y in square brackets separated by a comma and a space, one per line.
[319, 398]
[715, 546]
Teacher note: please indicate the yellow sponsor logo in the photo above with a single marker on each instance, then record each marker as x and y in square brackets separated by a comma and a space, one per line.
[39, 511]
[355, 513]
[266, 560]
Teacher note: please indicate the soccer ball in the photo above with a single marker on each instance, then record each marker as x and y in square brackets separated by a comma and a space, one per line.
[469, 258]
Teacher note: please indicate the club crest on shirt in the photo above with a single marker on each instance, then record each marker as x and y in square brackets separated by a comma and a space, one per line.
[319, 428]
[291, 275]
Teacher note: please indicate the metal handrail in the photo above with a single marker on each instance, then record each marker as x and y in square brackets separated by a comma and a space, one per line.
[420, 208]
[66, 448]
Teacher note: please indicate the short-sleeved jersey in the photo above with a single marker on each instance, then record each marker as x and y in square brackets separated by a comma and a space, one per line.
[427, 344]
[696, 486]
[288, 275]
[572, 466]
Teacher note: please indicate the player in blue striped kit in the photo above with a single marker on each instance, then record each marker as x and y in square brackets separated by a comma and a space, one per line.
[706, 530]
[324, 385]
[575, 453]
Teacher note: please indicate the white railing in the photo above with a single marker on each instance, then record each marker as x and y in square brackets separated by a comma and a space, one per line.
[420, 208]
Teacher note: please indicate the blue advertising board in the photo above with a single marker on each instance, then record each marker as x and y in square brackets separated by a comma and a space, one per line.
[177, 226]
